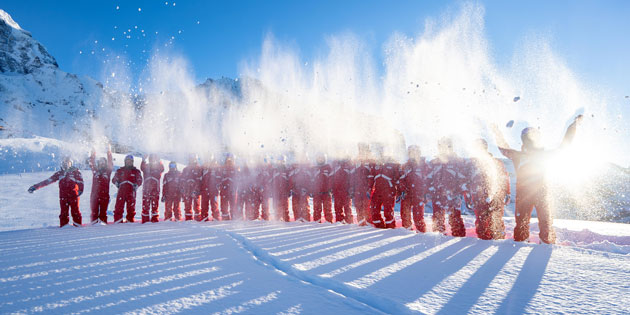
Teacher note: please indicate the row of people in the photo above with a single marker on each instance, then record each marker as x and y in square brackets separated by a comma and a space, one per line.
[225, 192]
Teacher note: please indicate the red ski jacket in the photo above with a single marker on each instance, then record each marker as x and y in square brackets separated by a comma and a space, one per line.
[280, 182]
[386, 178]
[300, 180]
[191, 180]
[171, 185]
[321, 178]
[127, 179]
[70, 182]
[152, 175]
[414, 178]
[101, 178]
[448, 182]
[362, 182]
[342, 178]
[210, 180]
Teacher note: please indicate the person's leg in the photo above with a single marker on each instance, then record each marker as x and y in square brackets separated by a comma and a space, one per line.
[388, 211]
[102, 212]
[94, 209]
[155, 204]
[205, 206]
[225, 205]
[376, 205]
[523, 211]
[418, 216]
[457, 223]
[131, 208]
[74, 211]
[405, 212]
[146, 206]
[119, 208]
[327, 205]
[318, 207]
[64, 217]
[438, 219]
[545, 222]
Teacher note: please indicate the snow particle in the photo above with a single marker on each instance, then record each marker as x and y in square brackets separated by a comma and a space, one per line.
[510, 124]
[117, 7]
[173, 3]
[113, 38]
[197, 22]
[95, 42]
[517, 98]
[80, 52]
[139, 9]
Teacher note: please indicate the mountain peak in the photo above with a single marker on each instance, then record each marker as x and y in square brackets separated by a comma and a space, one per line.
[19, 52]
[6, 18]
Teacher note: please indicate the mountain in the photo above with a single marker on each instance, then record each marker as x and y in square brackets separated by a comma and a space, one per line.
[36, 97]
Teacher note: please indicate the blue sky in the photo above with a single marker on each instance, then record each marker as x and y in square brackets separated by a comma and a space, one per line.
[592, 36]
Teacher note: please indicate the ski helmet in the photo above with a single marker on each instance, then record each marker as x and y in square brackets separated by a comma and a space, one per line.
[66, 163]
[530, 137]
[172, 165]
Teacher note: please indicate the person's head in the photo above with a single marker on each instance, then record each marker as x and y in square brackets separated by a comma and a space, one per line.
[445, 147]
[129, 160]
[321, 159]
[66, 163]
[101, 163]
[192, 159]
[172, 166]
[531, 138]
[153, 158]
[229, 159]
[364, 149]
[481, 146]
[281, 160]
[414, 152]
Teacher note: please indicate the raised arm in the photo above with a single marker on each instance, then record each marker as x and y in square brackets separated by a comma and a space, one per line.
[499, 138]
[570, 133]
[93, 160]
[110, 159]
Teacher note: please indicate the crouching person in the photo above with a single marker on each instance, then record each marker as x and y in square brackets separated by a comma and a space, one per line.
[70, 189]
[127, 179]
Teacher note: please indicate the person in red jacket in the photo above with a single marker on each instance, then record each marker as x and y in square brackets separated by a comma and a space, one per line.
[101, 175]
[248, 195]
[531, 186]
[229, 177]
[385, 178]
[322, 187]
[341, 185]
[281, 191]
[172, 193]
[413, 184]
[362, 185]
[489, 192]
[300, 185]
[152, 173]
[70, 189]
[210, 181]
[447, 186]
[127, 179]
[191, 189]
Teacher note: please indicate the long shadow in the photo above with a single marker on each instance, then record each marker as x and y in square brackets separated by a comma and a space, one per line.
[527, 282]
[471, 291]
[431, 270]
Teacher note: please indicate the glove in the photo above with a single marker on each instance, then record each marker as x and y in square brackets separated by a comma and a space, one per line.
[368, 194]
[31, 189]
[403, 195]
[398, 199]
[117, 185]
[508, 198]
[163, 199]
[80, 192]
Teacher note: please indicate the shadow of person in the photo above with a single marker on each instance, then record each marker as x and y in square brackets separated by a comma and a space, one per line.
[471, 291]
[527, 282]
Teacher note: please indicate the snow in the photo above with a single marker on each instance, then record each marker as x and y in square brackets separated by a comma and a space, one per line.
[4, 16]
[275, 267]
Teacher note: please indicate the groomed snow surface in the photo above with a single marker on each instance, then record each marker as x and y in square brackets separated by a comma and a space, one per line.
[291, 268]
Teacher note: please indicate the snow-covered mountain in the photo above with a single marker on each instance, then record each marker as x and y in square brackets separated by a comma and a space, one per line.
[36, 97]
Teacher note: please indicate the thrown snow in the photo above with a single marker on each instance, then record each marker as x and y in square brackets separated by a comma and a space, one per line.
[254, 267]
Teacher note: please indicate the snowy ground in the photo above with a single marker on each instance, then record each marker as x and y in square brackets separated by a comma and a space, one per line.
[291, 268]
[273, 267]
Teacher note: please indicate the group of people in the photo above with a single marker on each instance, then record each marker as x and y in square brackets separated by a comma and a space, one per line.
[226, 191]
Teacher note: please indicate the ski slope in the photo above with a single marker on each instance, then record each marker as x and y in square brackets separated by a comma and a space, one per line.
[292, 268]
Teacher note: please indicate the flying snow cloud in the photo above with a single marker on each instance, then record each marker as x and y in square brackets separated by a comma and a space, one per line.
[439, 82]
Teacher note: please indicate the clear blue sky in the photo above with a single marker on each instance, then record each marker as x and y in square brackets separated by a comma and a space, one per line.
[592, 36]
